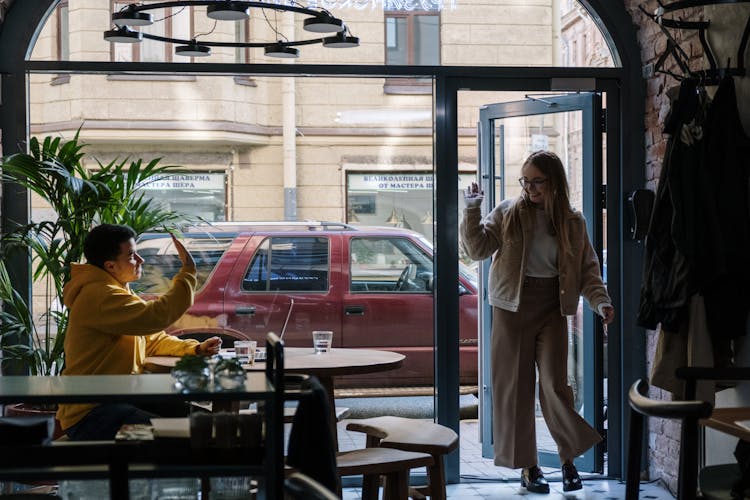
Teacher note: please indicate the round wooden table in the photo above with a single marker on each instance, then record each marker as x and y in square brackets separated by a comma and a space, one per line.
[325, 366]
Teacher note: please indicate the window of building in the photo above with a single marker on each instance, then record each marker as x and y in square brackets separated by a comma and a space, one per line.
[412, 38]
[397, 199]
[287, 264]
[200, 194]
[63, 32]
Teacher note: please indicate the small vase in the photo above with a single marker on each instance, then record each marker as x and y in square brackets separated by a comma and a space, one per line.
[192, 380]
[230, 380]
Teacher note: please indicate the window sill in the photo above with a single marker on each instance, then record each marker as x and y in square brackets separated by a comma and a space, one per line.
[408, 86]
[246, 81]
[60, 80]
[152, 78]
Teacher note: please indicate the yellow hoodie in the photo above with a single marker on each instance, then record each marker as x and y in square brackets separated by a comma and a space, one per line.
[111, 330]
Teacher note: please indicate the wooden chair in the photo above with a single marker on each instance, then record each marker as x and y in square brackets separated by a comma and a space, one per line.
[687, 411]
[390, 464]
[724, 481]
[298, 486]
[416, 435]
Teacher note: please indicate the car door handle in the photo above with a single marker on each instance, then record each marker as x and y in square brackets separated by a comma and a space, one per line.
[245, 310]
[354, 310]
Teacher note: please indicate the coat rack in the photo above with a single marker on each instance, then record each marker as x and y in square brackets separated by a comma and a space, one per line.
[714, 73]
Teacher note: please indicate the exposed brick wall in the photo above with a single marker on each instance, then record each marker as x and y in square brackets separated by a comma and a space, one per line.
[664, 435]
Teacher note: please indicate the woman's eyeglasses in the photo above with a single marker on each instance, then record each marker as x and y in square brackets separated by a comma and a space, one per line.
[525, 183]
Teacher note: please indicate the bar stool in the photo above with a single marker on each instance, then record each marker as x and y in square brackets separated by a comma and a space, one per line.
[374, 463]
[416, 435]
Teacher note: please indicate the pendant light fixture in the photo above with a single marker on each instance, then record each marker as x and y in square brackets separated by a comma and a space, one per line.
[227, 11]
[281, 51]
[341, 41]
[318, 20]
[123, 35]
[193, 49]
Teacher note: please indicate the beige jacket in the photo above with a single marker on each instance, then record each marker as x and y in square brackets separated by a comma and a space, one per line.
[578, 272]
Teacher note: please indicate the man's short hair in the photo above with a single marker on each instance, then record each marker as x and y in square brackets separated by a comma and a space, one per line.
[104, 241]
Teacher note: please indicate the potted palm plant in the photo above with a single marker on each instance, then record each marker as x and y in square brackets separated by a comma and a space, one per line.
[79, 198]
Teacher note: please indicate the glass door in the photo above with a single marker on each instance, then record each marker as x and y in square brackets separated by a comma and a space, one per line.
[569, 125]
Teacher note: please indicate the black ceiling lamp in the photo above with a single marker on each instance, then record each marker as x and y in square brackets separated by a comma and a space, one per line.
[193, 49]
[281, 51]
[341, 41]
[130, 17]
[317, 21]
[123, 35]
[228, 11]
[323, 24]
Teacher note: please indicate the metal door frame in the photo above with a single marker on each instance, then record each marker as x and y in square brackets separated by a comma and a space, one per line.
[589, 103]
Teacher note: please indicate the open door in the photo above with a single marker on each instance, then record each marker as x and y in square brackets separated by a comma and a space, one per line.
[570, 125]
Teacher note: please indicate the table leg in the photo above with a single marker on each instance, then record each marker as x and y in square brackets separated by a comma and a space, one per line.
[225, 406]
[118, 481]
[327, 383]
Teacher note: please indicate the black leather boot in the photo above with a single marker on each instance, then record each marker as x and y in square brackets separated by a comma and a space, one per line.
[571, 479]
[533, 480]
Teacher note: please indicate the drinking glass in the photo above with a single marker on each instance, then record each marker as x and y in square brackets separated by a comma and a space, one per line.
[322, 341]
[245, 350]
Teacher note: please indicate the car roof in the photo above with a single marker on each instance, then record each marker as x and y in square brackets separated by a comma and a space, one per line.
[234, 228]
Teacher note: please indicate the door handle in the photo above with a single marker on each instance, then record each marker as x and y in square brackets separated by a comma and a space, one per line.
[354, 310]
[245, 310]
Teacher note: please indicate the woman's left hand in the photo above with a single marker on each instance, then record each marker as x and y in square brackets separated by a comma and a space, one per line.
[608, 314]
[209, 347]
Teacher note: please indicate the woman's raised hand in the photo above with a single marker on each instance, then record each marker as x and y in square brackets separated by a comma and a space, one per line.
[473, 196]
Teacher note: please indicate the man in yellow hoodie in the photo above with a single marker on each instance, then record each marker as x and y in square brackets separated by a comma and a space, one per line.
[111, 330]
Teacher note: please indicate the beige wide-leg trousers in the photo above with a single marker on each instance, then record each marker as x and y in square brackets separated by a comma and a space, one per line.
[535, 335]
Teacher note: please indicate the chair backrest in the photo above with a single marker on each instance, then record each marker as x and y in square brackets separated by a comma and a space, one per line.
[691, 374]
[298, 486]
[275, 412]
[689, 412]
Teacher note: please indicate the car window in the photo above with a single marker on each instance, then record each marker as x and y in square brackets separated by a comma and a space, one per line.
[161, 261]
[289, 264]
[393, 265]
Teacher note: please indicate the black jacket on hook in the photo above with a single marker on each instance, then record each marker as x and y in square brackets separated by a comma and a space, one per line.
[672, 242]
[725, 270]
[699, 237]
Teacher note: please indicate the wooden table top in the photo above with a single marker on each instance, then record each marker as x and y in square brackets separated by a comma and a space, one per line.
[726, 420]
[338, 361]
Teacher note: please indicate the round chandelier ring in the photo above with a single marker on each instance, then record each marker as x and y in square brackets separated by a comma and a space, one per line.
[207, 43]
[247, 4]
[319, 21]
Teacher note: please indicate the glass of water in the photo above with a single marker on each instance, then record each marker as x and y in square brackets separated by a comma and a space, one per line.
[322, 341]
[245, 350]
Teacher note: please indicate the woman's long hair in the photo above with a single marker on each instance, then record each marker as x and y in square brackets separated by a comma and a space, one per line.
[556, 205]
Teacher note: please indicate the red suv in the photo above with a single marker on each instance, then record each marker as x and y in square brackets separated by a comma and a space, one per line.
[372, 286]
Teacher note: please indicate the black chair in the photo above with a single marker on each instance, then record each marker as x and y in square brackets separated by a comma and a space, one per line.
[298, 486]
[724, 481]
[692, 374]
[275, 414]
[687, 411]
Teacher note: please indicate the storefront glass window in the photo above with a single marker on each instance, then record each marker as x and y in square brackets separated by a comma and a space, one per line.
[200, 195]
[397, 199]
